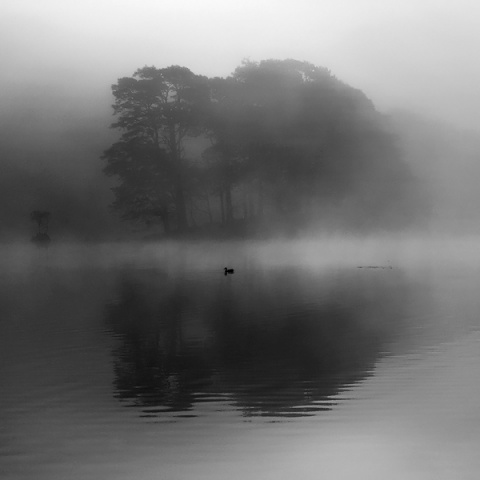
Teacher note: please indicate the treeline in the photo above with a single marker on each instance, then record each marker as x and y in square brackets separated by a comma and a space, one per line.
[278, 145]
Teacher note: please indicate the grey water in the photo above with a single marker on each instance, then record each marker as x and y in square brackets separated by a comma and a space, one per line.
[313, 360]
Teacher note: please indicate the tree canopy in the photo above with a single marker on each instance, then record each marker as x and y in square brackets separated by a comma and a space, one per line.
[279, 144]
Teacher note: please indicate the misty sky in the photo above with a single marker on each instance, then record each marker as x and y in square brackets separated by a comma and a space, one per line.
[415, 54]
[59, 59]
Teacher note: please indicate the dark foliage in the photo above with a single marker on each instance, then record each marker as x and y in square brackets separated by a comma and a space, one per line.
[278, 145]
[41, 218]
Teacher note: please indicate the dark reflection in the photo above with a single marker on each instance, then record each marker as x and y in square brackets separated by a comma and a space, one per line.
[153, 367]
[271, 343]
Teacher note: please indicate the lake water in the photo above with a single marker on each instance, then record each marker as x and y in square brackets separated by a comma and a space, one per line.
[342, 360]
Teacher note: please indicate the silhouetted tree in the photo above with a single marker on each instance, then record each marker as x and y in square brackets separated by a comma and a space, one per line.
[156, 109]
[146, 191]
[229, 128]
[41, 218]
[288, 142]
[301, 118]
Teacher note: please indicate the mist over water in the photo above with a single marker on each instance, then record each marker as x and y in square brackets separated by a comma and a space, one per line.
[311, 353]
[343, 193]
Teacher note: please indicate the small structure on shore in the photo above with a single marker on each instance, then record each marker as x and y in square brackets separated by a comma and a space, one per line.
[41, 238]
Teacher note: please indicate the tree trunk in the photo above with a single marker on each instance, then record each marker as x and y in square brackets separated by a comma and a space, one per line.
[251, 205]
[165, 222]
[209, 208]
[245, 201]
[228, 205]
[180, 204]
[192, 215]
[222, 207]
[260, 199]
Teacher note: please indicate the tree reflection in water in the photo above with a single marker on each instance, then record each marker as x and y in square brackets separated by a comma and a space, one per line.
[282, 347]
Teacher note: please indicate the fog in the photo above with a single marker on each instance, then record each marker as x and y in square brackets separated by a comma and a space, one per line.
[407, 253]
[60, 58]
[331, 160]
[299, 361]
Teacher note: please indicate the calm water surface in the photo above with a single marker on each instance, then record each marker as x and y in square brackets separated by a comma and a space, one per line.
[149, 363]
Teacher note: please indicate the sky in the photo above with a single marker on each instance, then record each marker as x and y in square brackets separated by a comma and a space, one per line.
[59, 58]
[415, 54]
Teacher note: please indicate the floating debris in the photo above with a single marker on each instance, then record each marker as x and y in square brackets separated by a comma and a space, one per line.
[376, 266]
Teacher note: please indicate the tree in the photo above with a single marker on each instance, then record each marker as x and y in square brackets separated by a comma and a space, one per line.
[146, 189]
[288, 144]
[41, 218]
[228, 128]
[156, 109]
[260, 132]
[313, 140]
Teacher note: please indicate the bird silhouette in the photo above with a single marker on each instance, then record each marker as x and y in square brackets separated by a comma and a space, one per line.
[228, 270]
